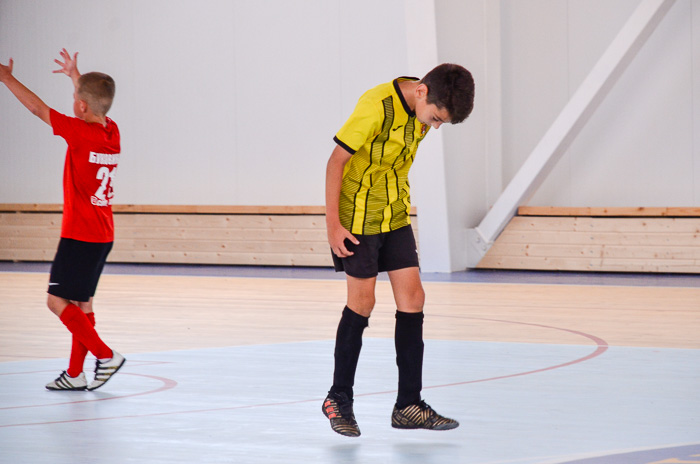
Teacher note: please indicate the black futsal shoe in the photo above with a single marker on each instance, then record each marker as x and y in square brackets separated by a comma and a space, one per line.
[337, 407]
[420, 416]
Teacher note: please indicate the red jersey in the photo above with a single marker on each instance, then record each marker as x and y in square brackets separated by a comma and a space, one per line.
[91, 163]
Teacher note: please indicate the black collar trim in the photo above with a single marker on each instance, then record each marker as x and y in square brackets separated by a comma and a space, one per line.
[400, 94]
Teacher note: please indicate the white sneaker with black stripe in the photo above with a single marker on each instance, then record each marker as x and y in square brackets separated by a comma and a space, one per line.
[105, 370]
[66, 382]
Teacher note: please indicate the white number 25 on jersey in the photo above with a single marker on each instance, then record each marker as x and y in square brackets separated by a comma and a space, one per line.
[106, 176]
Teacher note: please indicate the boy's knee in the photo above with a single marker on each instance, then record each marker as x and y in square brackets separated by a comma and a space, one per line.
[85, 306]
[361, 297]
[413, 303]
[419, 298]
[362, 304]
[56, 304]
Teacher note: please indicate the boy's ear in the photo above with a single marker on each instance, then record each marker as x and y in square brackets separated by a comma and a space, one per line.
[421, 91]
[83, 105]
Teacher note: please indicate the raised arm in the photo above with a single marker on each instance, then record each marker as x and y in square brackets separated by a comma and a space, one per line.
[69, 66]
[334, 178]
[23, 94]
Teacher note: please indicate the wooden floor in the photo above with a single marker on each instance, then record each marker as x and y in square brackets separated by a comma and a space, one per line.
[148, 317]
[163, 313]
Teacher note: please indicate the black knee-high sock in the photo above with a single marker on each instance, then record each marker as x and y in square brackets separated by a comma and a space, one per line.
[408, 338]
[348, 343]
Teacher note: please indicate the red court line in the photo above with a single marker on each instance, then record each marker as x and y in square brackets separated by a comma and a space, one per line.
[131, 364]
[601, 347]
[167, 385]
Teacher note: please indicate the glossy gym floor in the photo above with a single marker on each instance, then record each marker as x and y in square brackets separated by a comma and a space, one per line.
[230, 365]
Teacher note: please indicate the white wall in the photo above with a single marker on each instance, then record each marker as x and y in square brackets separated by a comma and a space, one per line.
[236, 102]
[218, 102]
[462, 33]
[638, 149]
[641, 148]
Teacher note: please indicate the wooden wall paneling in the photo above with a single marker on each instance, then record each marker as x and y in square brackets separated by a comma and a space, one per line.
[632, 243]
[247, 235]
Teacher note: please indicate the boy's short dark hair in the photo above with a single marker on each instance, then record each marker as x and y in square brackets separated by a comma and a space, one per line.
[97, 89]
[450, 86]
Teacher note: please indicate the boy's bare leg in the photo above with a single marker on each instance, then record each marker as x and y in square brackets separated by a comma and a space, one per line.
[74, 317]
[72, 378]
[348, 343]
[408, 290]
[361, 295]
[57, 304]
[408, 334]
[77, 318]
[410, 411]
[85, 306]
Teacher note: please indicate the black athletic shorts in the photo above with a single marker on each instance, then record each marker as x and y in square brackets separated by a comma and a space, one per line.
[379, 253]
[76, 269]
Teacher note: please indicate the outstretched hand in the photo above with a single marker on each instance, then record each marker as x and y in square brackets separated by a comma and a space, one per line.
[69, 65]
[6, 71]
[25, 96]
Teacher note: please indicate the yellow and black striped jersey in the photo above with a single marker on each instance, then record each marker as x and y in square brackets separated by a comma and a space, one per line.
[383, 135]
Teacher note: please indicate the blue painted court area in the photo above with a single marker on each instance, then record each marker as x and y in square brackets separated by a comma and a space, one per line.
[517, 403]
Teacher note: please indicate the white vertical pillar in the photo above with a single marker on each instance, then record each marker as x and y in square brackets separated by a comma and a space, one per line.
[429, 192]
[492, 97]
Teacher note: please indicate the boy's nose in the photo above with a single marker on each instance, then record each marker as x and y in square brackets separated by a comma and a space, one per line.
[437, 124]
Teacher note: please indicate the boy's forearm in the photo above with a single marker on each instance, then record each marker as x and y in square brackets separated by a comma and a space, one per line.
[75, 76]
[332, 196]
[28, 98]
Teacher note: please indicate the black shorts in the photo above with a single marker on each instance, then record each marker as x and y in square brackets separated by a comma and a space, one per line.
[76, 269]
[379, 253]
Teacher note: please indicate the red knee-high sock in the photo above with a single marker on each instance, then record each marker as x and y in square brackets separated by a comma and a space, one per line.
[81, 328]
[78, 352]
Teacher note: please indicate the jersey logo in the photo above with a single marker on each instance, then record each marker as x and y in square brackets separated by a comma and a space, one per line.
[104, 158]
[423, 129]
[397, 128]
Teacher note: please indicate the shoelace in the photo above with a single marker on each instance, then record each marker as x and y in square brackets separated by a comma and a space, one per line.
[424, 406]
[345, 410]
[344, 405]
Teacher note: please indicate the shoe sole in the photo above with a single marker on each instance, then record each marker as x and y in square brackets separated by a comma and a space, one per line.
[416, 427]
[348, 433]
[108, 378]
[67, 389]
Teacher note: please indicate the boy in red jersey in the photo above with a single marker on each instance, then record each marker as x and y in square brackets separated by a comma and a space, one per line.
[87, 230]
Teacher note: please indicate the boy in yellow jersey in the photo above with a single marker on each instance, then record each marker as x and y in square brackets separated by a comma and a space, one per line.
[367, 218]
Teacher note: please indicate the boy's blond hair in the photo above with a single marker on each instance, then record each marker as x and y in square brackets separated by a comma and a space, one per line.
[97, 90]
